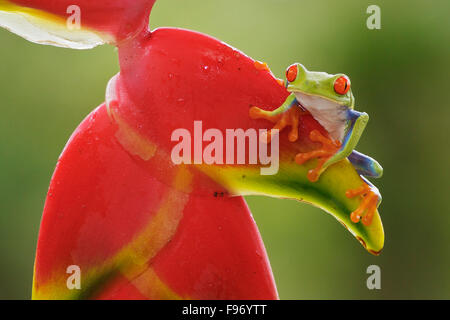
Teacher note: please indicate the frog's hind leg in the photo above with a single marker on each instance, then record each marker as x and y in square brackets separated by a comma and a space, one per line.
[371, 199]
[323, 154]
[334, 151]
[365, 165]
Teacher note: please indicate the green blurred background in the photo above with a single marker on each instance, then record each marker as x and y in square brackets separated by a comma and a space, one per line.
[400, 76]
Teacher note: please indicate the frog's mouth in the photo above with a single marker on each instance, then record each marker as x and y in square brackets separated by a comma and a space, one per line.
[331, 115]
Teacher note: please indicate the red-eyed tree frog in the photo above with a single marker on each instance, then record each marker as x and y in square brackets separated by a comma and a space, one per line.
[329, 99]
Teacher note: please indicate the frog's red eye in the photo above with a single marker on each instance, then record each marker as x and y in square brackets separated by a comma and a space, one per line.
[291, 73]
[342, 85]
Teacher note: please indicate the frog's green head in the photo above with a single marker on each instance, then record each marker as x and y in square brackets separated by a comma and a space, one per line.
[332, 87]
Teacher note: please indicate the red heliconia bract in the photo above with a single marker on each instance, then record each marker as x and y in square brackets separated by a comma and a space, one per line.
[137, 225]
[118, 20]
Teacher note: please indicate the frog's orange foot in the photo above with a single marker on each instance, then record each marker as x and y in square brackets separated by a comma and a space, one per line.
[289, 117]
[328, 149]
[368, 204]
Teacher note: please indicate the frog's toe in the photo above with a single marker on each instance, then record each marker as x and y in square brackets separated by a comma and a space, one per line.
[368, 206]
[293, 134]
[258, 113]
[328, 149]
[290, 117]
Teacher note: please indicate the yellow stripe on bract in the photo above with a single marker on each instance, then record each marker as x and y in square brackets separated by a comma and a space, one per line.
[159, 231]
[151, 286]
[131, 140]
[45, 28]
[133, 260]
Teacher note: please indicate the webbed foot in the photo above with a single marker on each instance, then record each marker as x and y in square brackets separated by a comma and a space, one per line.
[290, 117]
[368, 204]
[328, 149]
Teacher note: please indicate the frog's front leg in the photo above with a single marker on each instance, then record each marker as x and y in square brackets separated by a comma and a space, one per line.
[356, 123]
[334, 151]
[287, 114]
